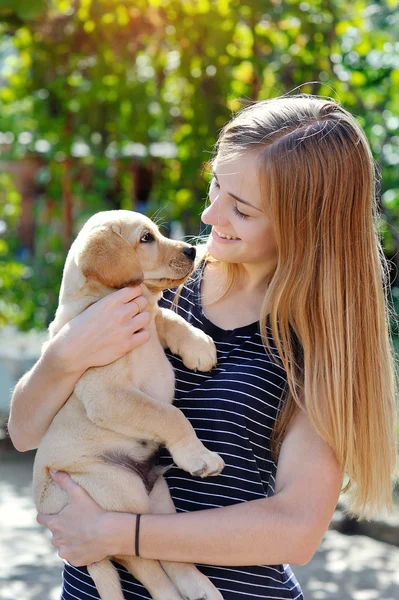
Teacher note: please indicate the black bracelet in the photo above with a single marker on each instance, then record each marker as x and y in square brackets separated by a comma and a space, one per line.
[136, 541]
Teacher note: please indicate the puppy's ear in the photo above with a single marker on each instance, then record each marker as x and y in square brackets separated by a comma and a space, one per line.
[107, 257]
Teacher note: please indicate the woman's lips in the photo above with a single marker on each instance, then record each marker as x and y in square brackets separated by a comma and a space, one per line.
[217, 238]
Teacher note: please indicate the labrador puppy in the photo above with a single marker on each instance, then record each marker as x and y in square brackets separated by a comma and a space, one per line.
[107, 433]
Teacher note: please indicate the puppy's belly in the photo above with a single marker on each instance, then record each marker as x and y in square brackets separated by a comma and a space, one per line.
[113, 487]
[116, 480]
[77, 446]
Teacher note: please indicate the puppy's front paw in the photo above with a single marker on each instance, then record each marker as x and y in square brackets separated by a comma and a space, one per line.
[196, 459]
[201, 353]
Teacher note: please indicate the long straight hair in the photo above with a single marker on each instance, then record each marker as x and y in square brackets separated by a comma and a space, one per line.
[327, 300]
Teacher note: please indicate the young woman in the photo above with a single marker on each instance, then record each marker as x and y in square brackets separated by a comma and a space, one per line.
[292, 287]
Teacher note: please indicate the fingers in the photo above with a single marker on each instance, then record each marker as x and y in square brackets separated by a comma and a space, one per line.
[138, 304]
[139, 321]
[44, 519]
[127, 294]
[56, 541]
[65, 482]
[135, 303]
[139, 338]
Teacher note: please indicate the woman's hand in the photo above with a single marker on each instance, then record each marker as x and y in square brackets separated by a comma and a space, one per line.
[80, 529]
[104, 332]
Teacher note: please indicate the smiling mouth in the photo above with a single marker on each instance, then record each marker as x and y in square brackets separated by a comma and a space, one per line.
[225, 236]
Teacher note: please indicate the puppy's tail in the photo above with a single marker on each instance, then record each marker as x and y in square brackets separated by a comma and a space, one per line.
[107, 581]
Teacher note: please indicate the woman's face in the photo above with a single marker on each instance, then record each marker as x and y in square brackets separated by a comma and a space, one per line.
[236, 210]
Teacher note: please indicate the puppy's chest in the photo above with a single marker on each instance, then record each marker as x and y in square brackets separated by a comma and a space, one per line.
[151, 371]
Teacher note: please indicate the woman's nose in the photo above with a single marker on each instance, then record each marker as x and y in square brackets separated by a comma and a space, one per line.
[213, 214]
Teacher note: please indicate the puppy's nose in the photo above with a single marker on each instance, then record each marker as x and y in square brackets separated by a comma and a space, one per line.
[190, 252]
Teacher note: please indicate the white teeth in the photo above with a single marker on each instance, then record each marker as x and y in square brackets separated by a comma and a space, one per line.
[224, 235]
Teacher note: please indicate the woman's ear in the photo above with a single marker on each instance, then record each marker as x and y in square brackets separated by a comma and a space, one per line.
[106, 256]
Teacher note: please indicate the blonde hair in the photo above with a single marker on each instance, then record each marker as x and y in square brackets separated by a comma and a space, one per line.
[329, 311]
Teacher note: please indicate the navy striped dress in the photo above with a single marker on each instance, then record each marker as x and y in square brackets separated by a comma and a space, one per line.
[232, 409]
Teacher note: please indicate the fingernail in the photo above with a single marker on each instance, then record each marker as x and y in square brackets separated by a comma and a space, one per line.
[53, 471]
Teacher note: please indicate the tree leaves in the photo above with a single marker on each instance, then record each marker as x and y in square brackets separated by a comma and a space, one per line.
[25, 9]
[117, 76]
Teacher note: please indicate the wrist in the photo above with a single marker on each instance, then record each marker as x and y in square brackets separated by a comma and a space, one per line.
[62, 360]
[119, 531]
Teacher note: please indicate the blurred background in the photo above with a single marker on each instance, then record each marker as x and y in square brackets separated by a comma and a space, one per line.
[108, 104]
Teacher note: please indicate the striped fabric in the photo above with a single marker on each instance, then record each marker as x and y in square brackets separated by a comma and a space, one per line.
[232, 409]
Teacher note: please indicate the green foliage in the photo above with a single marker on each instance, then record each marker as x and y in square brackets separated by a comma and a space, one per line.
[27, 299]
[24, 9]
[88, 85]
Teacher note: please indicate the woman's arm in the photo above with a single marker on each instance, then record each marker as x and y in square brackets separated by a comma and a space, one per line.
[38, 396]
[285, 528]
[101, 334]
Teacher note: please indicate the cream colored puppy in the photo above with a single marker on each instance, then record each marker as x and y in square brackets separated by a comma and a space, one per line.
[107, 433]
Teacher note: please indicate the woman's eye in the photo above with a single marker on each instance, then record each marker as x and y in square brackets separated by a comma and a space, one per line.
[235, 209]
[216, 184]
[239, 213]
[147, 237]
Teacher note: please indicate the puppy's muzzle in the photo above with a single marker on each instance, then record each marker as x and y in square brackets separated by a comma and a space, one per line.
[190, 252]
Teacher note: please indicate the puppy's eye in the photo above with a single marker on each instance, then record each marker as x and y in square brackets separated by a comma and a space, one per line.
[147, 238]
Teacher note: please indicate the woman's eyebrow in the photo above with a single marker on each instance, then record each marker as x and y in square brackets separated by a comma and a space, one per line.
[236, 197]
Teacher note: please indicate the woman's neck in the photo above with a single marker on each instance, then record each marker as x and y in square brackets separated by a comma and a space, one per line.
[252, 279]
[242, 303]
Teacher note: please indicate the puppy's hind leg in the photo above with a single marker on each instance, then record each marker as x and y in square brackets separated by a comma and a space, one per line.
[151, 575]
[107, 580]
[128, 495]
[191, 583]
